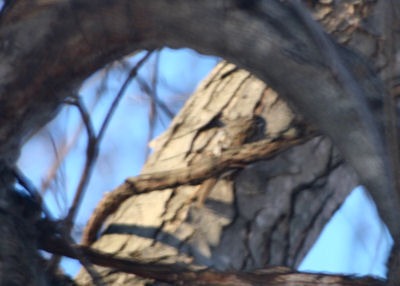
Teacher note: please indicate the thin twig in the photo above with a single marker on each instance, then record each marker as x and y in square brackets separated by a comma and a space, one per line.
[67, 146]
[94, 141]
[152, 94]
[63, 151]
[32, 190]
[68, 222]
[153, 97]
[91, 157]
[112, 109]
[149, 90]
[54, 178]
[152, 117]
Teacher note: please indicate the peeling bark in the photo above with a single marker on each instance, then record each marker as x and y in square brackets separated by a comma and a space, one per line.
[78, 46]
[233, 222]
[257, 214]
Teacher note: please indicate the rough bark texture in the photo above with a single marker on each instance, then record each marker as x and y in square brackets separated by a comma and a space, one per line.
[245, 218]
[230, 220]
[20, 263]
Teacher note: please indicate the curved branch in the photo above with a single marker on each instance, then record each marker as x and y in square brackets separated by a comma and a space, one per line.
[202, 170]
[177, 274]
[43, 59]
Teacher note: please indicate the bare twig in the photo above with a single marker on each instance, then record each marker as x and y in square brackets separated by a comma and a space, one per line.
[54, 178]
[94, 141]
[68, 222]
[91, 157]
[153, 97]
[155, 102]
[68, 145]
[121, 92]
[152, 94]
[61, 155]
[32, 190]
[152, 120]
[150, 90]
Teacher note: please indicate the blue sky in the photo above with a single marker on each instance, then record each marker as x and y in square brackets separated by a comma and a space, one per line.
[354, 242]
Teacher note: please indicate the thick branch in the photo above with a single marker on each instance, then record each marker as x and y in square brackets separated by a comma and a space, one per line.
[68, 51]
[206, 168]
[180, 275]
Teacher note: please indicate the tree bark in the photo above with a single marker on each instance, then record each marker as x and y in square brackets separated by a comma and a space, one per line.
[249, 216]
[226, 223]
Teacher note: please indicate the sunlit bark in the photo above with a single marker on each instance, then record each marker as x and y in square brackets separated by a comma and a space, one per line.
[338, 90]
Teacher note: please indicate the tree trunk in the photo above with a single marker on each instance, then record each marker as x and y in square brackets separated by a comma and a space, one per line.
[267, 209]
[250, 216]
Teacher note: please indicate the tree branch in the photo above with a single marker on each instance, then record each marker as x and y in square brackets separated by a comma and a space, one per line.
[208, 167]
[44, 60]
[177, 274]
[283, 42]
